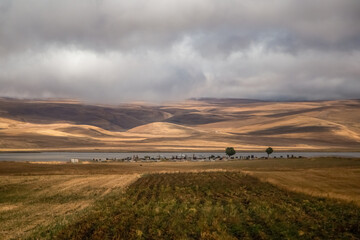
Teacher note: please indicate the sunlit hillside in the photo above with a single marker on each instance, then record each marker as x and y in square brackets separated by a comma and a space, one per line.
[194, 125]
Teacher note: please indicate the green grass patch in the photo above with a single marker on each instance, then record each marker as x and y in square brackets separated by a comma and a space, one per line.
[222, 205]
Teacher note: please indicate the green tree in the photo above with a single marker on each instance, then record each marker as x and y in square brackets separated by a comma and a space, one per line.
[230, 151]
[269, 151]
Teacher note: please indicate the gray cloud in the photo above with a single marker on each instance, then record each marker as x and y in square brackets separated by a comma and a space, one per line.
[111, 51]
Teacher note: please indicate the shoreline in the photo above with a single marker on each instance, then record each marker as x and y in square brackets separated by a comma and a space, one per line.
[186, 151]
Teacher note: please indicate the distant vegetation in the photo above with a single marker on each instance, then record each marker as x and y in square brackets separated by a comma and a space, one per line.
[269, 151]
[220, 205]
[230, 151]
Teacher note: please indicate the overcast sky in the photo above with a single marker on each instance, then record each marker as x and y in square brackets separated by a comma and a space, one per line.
[114, 51]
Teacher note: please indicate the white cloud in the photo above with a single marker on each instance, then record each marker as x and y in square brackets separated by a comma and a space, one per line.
[111, 51]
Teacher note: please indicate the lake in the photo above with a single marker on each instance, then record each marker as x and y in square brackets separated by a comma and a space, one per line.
[66, 156]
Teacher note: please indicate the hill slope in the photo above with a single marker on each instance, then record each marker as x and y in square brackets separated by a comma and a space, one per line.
[196, 125]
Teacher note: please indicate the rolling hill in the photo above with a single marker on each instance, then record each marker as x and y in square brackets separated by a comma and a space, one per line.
[193, 125]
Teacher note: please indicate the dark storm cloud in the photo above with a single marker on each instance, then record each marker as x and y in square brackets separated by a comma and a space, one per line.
[165, 49]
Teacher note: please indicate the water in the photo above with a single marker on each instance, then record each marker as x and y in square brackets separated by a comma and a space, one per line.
[66, 156]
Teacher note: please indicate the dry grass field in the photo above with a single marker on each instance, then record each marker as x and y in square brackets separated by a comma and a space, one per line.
[30, 202]
[339, 183]
[194, 125]
[38, 199]
[216, 205]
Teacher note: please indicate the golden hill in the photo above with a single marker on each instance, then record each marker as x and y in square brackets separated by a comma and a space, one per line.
[194, 125]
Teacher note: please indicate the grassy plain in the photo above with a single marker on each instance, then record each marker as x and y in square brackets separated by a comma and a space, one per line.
[29, 202]
[44, 200]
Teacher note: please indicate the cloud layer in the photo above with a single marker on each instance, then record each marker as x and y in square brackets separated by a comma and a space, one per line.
[114, 51]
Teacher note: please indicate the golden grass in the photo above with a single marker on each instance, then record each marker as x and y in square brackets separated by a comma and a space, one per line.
[163, 129]
[338, 183]
[29, 202]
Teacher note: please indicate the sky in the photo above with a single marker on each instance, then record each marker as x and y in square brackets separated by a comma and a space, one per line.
[111, 51]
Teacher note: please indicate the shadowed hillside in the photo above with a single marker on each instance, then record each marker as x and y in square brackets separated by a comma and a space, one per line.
[106, 117]
[195, 125]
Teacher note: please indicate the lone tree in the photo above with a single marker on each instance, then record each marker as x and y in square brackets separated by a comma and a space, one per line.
[230, 151]
[269, 151]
